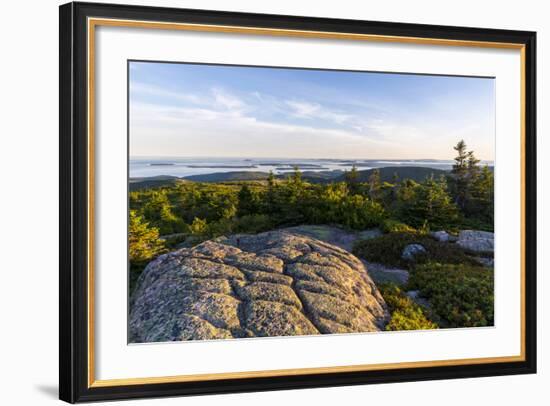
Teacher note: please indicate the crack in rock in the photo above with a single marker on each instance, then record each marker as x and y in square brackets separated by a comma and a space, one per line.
[276, 283]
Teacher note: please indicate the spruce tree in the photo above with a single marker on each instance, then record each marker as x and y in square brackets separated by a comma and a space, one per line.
[460, 174]
[481, 202]
[270, 199]
[247, 202]
[143, 241]
[374, 184]
[270, 180]
[352, 180]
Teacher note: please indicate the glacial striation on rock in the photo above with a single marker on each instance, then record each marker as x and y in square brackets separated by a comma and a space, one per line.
[270, 284]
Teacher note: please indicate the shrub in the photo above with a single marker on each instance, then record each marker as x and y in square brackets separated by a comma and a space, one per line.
[394, 226]
[387, 250]
[198, 227]
[426, 203]
[253, 223]
[221, 227]
[359, 212]
[172, 241]
[461, 295]
[159, 212]
[405, 313]
[143, 241]
[144, 245]
[332, 204]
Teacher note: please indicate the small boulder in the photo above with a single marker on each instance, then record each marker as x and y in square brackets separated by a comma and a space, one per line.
[414, 295]
[412, 250]
[478, 241]
[441, 236]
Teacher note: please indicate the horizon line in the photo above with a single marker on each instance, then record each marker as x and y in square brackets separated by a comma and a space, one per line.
[289, 158]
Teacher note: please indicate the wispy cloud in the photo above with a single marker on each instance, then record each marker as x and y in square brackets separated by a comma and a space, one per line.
[307, 110]
[198, 129]
[207, 115]
[227, 100]
[138, 88]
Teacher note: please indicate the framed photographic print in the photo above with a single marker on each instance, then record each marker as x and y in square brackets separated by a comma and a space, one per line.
[257, 202]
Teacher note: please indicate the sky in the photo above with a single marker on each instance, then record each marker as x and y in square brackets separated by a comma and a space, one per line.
[191, 110]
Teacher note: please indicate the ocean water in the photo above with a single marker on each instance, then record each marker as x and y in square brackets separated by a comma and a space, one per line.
[182, 167]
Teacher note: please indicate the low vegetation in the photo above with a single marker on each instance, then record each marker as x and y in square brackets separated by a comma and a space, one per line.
[388, 248]
[166, 214]
[460, 295]
[463, 197]
[405, 313]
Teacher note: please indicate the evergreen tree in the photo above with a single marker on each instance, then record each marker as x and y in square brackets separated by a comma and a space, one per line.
[270, 194]
[470, 185]
[481, 202]
[270, 180]
[158, 211]
[460, 174]
[427, 203]
[374, 185]
[295, 185]
[199, 227]
[395, 178]
[247, 202]
[473, 171]
[143, 241]
[352, 180]
[295, 179]
[472, 163]
[461, 160]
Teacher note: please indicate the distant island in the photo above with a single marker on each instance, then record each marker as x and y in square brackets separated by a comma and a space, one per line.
[416, 243]
[387, 174]
[222, 166]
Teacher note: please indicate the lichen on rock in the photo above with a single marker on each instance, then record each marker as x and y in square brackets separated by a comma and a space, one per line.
[477, 241]
[277, 283]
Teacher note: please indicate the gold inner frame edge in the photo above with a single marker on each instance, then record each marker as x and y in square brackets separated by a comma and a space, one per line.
[92, 23]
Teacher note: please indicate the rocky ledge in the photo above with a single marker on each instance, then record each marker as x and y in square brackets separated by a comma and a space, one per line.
[271, 284]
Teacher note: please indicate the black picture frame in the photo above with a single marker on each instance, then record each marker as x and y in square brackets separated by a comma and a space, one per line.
[74, 200]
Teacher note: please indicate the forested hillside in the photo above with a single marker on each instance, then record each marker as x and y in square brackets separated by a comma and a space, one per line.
[409, 201]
